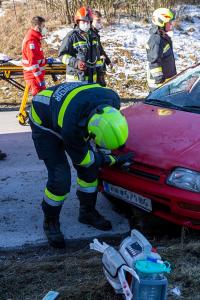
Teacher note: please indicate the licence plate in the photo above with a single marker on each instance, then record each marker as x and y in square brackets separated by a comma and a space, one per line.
[128, 196]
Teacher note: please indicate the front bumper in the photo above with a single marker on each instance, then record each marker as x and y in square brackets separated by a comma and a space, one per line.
[175, 205]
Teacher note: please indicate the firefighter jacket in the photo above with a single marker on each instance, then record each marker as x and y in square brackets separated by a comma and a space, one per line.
[33, 60]
[65, 110]
[85, 47]
[161, 63]
[102, 51]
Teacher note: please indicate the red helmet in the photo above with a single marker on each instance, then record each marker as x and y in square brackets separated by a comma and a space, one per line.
[83, 14]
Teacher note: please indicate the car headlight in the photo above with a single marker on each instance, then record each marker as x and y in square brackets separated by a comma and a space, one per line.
[185, 179]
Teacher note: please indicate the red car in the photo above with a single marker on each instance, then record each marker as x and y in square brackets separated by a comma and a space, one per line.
[164, 135]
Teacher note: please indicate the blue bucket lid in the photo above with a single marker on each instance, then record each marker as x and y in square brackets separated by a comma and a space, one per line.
[150, 267]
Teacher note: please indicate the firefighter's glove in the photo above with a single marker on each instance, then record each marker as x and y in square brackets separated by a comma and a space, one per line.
[81, 65]
[42, 84]
[159, 80]
[123, 159]
[50, 60]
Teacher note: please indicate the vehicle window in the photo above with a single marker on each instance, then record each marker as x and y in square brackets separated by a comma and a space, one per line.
[183, 90]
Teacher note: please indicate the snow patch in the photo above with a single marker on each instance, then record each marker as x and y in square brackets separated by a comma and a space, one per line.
[125, 44]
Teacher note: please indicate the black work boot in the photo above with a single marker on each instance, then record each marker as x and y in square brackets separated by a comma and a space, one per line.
[88, 214]
[51, 225]
[2, 155]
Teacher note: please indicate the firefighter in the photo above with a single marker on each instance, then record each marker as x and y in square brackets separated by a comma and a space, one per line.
[67, 117]
[33, 60]
[80, 50]
[96, 27]
[2, 155]
[161, 63]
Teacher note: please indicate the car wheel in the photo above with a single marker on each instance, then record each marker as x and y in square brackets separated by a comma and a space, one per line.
[134, 215]
[145, 222]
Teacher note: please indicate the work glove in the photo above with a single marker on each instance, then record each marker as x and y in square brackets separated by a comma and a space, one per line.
[159, 80]
[81, 65]
[118, 160]
[42, 83]
[122, 159]
[50, 60]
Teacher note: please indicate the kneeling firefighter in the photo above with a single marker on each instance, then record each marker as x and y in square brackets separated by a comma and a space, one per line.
[161, 63]
[67, 117]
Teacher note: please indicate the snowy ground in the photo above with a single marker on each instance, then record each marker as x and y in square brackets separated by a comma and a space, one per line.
[125, 44]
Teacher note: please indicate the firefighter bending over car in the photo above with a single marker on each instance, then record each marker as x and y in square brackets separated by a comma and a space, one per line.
[67, 117]
[80, 50]
[161, 63]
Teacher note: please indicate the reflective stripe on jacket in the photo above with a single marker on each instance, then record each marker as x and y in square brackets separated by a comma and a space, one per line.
[33, 60]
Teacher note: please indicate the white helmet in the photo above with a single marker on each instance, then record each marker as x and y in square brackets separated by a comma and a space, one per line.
[161, 16]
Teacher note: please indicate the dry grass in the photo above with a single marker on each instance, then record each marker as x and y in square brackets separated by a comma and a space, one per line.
[13, 27]
[78, 275]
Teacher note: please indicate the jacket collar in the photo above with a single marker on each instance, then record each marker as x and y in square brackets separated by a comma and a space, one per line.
[156, 30]
[34, 34]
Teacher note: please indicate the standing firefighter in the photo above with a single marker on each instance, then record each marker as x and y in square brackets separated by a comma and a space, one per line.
[33, 60]
[65, 118]
[80, 50]
[160, 56]
[96, 27]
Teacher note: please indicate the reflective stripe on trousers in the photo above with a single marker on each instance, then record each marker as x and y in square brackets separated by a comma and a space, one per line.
[52, 199]
[87, 187]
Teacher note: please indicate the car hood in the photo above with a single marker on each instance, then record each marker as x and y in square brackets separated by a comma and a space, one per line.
[164, 137]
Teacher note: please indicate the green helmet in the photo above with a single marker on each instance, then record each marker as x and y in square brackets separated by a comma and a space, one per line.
[108, 127]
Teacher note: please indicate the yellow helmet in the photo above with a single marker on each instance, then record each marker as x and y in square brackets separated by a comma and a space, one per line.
[161, 16]
[108, 127]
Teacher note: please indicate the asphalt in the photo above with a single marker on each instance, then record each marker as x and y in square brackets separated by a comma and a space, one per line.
[22, 182]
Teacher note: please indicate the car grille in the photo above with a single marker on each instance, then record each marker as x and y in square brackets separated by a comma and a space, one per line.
[144, 174]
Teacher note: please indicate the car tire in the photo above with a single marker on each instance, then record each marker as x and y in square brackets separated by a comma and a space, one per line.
[132, 213]
[145, 222]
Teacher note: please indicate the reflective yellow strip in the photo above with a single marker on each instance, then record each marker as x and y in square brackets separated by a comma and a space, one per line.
[156, 70]
[35, 116]
[69, 97]
[66, 58]
[112, 160]
[88, 160]
[99, 62]
[85, 184]
[166, 48]
[79, 43]
[46, 93]
[95, 77]
[54, 197]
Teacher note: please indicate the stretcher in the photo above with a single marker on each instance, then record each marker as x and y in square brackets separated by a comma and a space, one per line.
[11, 71]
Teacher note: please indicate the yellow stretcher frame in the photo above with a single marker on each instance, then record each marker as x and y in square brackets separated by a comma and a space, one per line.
[10, 72]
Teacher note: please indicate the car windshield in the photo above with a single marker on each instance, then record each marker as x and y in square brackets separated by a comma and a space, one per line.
[183, 92]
